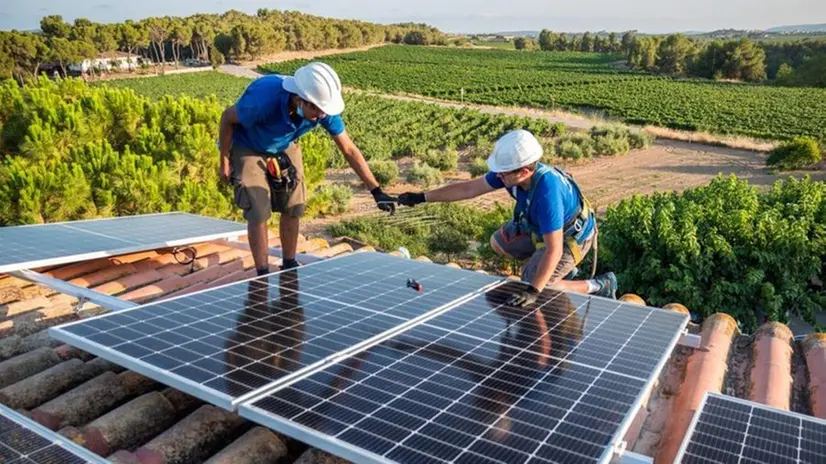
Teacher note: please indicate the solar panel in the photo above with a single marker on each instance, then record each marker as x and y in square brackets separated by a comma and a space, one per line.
[727, 429]
[23, 441]
[31, 246]
[227, 343]
[484, 382]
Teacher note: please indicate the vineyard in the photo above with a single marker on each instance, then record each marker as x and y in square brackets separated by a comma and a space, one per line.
[583, 81]
[406, 128]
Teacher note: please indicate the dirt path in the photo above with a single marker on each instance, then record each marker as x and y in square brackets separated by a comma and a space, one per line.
[665, 166]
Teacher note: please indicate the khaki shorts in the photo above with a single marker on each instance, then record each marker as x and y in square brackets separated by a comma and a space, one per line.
[252, 191]
[521, 247]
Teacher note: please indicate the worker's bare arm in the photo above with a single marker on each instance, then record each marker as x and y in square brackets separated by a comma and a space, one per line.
[550, 260]
[229, 118]
[459, 191]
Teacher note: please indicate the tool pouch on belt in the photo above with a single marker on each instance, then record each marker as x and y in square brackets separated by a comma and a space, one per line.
[281, 175]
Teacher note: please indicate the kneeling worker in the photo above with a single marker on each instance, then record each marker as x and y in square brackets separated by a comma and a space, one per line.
[552, 228]
[261, 157]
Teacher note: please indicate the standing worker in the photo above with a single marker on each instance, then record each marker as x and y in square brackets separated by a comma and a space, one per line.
[261, 157]
[553, 227]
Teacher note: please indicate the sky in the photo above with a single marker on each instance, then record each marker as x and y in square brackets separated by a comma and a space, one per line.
[469, 16]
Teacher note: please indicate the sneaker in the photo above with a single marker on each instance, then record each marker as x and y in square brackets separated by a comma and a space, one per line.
[608, 285]
[289, 264]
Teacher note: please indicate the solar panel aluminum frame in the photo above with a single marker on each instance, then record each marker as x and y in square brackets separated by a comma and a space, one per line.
[618, 444]
[55, 438]
[217, 398]
[119, 251]
[353, 453]
[696, 419]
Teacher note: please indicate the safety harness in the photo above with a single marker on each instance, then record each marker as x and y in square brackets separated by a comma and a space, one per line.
[574, 228]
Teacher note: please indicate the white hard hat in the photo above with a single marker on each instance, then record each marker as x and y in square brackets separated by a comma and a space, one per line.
[514, 150]
[318, 84]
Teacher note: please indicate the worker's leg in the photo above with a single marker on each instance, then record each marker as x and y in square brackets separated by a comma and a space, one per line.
[506, 242]
[603, 285]
[291, 207]
[252, 195]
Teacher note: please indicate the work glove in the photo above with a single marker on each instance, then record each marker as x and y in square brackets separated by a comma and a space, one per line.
[384, 201]
[411, 198]
[523, 297]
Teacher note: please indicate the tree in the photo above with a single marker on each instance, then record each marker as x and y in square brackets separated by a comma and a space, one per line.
[745, 61]
[181, 36]
[547, 40]
[223, 44]
[64, 52]
[158, 32]
[53, 26]
[414, 38]
[587, 43]
[674, 54]
[132, 37]
[523, 43]
[627, 42]
[106, 39]
[613, 43]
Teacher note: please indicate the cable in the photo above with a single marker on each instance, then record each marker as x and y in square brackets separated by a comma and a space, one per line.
[193, 255]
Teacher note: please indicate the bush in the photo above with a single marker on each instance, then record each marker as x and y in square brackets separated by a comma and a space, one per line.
[558, 129]
[795, 154]
[584, 146]
[444, 160]
[424, 175]
[548, 151]
[479, 167]
[722, 247]
[385, 172]
[610, 140]
[329, 200]
[640, 139]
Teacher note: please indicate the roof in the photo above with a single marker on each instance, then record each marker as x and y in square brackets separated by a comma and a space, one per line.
[129, 418]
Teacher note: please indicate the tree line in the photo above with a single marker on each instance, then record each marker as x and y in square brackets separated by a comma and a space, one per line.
[209, 38]
[801, 62]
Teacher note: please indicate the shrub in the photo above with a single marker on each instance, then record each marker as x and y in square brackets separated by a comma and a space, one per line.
[385, 172]
[479, 167]
[424, 175]
[444, 160]
[610, 140]
[795, 154]
[329, 200]
[583, 142]
[640, 139]
[722, 247]
[548, 151]
[558, 129]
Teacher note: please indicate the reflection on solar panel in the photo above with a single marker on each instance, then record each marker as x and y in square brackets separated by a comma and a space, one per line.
[25, 442]
[226, 343]
[27, 247]
[484, 382]
[727, 429]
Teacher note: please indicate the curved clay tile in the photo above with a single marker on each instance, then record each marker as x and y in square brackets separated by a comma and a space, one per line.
[814, 347]
[632, 298]
[677, 307]
[705, 371]
[771, 374]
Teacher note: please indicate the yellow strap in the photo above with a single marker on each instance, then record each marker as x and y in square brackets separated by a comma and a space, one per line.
[576, 251]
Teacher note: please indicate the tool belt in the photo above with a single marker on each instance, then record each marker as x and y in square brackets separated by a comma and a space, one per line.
[281, 177]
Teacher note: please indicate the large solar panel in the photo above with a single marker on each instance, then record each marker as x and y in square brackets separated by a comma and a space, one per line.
[227, 343]
[31, 246]
[727, 429]
[484, 382]
[23, 441]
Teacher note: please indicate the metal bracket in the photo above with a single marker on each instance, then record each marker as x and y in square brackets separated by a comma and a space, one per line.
[83, 294]
[630, 457]
[690, 340]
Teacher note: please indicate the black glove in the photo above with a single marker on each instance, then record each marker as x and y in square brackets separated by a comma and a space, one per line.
[524, 297]
[411, 198]
[384, 201]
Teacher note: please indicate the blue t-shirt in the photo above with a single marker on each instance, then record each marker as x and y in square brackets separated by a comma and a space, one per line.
[264, 118]
[554, 204]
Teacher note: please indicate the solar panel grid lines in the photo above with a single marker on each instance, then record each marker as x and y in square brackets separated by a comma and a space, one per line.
[227, 343]
[38, 245]
[23, 441]
[361, 421]
[728, 429]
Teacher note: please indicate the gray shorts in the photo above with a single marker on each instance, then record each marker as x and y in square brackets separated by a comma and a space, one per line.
[521, 247]
[252, 191]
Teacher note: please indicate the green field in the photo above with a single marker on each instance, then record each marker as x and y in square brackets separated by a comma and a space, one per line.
[578, 81]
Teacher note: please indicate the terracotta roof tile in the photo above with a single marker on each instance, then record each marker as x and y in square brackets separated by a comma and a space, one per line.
[123, 413]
